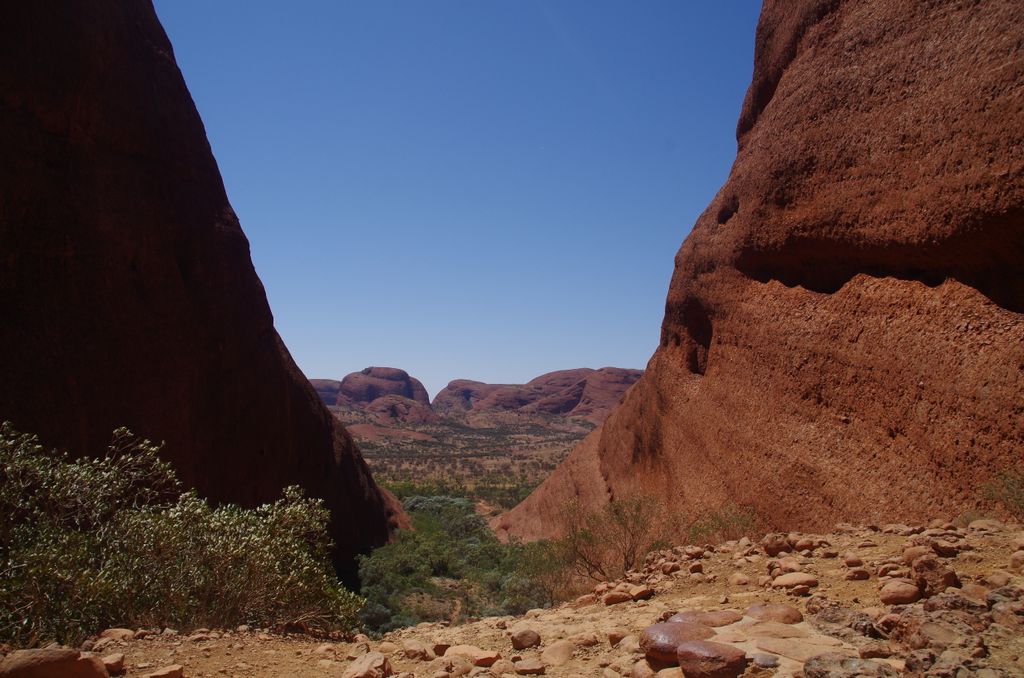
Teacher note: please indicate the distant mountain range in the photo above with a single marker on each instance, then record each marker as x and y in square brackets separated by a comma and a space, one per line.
[391, 396]
[472, 433]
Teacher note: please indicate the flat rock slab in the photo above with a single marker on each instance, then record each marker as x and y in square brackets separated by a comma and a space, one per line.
[54, 662]
[839, 666]
[713, 618]
[802, 649]
[794, 579]
[769, 629]
[557, 653]
[475, 655]
[529, 667]
[776, 612]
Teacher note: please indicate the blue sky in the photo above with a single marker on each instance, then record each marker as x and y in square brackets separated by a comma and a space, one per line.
[482, 189]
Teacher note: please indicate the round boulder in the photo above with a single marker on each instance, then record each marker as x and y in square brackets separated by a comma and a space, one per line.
[899, 593]
[660, 641]
[704, 659]
[524, 637]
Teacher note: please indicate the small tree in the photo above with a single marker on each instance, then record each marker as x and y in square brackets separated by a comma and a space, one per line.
[605, 544]
[727, 522]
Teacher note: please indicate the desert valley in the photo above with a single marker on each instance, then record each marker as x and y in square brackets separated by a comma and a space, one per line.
[492, 442]
[819, 472]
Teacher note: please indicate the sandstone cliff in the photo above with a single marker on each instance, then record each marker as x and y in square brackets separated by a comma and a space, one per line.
[843, 336]
[129, 298]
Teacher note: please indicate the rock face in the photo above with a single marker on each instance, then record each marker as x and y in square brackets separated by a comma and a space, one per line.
[585, 393]
[128, 292]
[843, 336]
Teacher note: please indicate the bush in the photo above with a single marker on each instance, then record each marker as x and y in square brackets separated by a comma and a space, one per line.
[605, 544]
[92, 543]
[546, 567]
[449, 566]
[501, 491]
[728, 522]
[1007, 488]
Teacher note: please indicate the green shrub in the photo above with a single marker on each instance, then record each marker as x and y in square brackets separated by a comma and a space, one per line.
[1007, 488]
[92, 543]
[503, 492]
[728, 522]
[546, 568]
[449, 566]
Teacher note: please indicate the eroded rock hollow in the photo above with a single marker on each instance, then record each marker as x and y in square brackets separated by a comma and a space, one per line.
[843, 335]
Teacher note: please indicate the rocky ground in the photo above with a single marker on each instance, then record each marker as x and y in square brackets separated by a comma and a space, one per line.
[873, 601]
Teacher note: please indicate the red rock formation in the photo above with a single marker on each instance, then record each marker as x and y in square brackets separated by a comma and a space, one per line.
[583, 392]
[843, 336]
[389, 395]
[129, 298]
[396, 409]
[462, 395]
[375, 382]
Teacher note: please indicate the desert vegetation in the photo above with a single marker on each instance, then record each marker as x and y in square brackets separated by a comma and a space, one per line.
[90, 543]
[496, 463]
[452, 567]
[1007, 488]
[493, 489]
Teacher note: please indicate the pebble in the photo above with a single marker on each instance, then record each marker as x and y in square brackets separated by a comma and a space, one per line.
[794, 579]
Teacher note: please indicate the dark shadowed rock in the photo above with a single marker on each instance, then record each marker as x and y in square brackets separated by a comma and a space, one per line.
[932, 576]
[329, 391]
[129, 295]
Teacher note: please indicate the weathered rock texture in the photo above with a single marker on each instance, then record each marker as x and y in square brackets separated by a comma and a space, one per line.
[128, 294]
[584, 393]
[843, 336]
